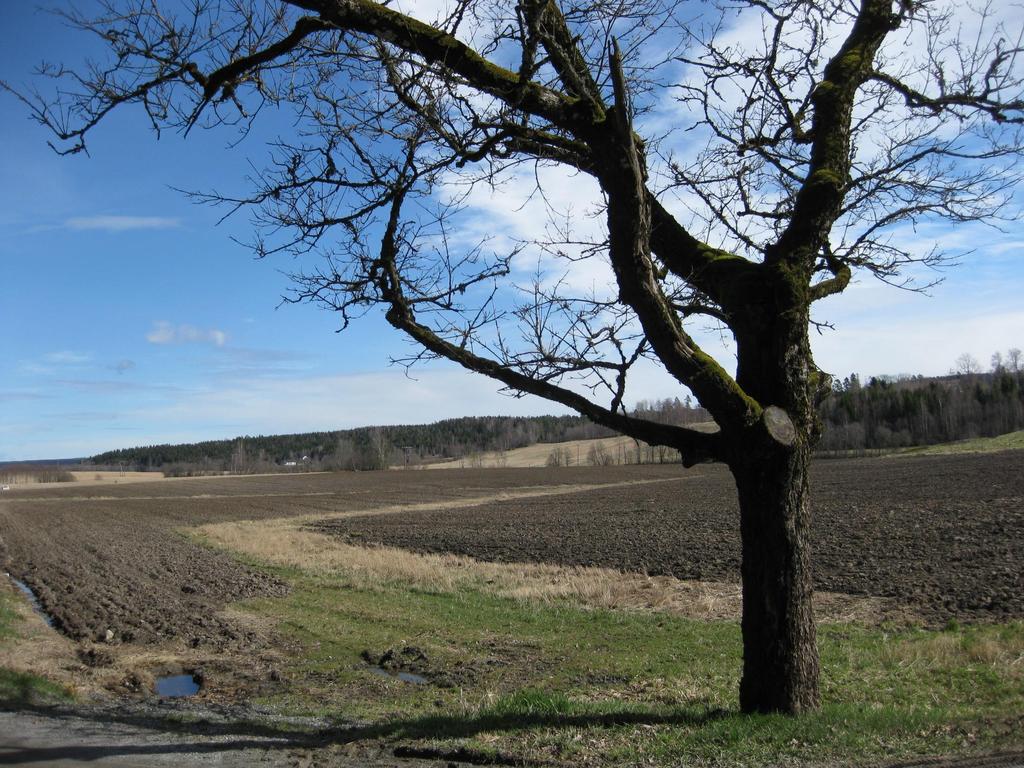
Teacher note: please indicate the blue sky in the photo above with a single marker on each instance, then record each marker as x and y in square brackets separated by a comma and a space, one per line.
[130, 317]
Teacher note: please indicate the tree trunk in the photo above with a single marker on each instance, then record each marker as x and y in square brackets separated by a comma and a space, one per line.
[770, 464]
[780, 655]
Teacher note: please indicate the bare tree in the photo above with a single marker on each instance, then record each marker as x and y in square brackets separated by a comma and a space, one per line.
[559, 457]
[598, 455]
[1015, 360]
[966, 365]
[809, 144]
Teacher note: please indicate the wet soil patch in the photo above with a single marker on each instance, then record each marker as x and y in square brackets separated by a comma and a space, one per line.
[942, 535]
[177, 686]
[405, 677]
[411, 664]
[26, 590]
[95, 657]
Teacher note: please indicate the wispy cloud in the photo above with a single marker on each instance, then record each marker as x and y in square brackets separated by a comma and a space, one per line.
[52, 362]
[83, 416]
[66, 357]
[926, 341]
[167, 333]
[276, 406]
[243, 362]
[117, 386]
[120, 223]
[12, 395]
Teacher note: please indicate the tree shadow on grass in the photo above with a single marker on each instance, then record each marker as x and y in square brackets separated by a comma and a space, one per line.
[28, 755]
[132, 732]
[19, 690]
[454, 726]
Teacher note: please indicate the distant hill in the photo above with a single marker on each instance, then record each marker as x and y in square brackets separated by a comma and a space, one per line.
[362, 448]
[600, 451]
[884, 413]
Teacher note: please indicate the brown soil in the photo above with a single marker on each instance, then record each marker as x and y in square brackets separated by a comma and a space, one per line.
[943, 535]
[99, 570]
[112, 559]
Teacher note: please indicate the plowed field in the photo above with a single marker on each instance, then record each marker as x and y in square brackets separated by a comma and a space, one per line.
[113, 559]
[943, 535]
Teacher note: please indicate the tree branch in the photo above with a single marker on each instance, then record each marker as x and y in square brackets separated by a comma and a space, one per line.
[415, 37]
[819, 201]
[694, 445]
[226, 78]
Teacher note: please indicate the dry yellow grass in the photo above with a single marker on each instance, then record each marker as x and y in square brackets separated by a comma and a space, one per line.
[107, 478]
[617, 448]
[94, 478]
[28, 480]
[89, 478]
[954, 650]
[286, 542]
[36, 648]
[280, 542]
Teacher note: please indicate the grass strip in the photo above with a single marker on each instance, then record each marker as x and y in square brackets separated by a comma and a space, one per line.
[560, 683]
[20, 688]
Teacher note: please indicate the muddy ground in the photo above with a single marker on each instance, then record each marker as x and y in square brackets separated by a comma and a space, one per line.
[942, 535]
[112, 559]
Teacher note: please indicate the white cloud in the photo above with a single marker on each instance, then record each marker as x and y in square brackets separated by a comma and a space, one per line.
[429, 11]
[52, 362]
[120, 223]
[472, 31]
[66, 357]
[149, 415]
[536, 205]
[925, 342]
[167, 333]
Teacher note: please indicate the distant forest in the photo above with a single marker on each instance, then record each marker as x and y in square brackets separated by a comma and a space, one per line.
[378, 447]
[884, 413]
[907, 411]
[363, 448]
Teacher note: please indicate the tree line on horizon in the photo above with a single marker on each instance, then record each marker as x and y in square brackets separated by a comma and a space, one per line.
[885, 412]
[362, 448]
[377, 447]
[902, 411]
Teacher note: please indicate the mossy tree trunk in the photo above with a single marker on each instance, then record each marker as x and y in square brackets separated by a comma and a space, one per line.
[780, 656]
[770, 466]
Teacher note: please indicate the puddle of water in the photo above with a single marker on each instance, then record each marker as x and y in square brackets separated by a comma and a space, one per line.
[405, 677]
[33, 600]
[176, 686]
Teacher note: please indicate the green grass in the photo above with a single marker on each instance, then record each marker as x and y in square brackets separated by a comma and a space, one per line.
[1007, 442]
[493, 644]
[7, 615]
[560, 682]
[18, 688]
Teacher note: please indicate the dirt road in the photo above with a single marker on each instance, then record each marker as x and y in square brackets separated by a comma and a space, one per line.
[145, 735]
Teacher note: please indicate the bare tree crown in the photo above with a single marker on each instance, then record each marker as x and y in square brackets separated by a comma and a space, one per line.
[744, 159]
